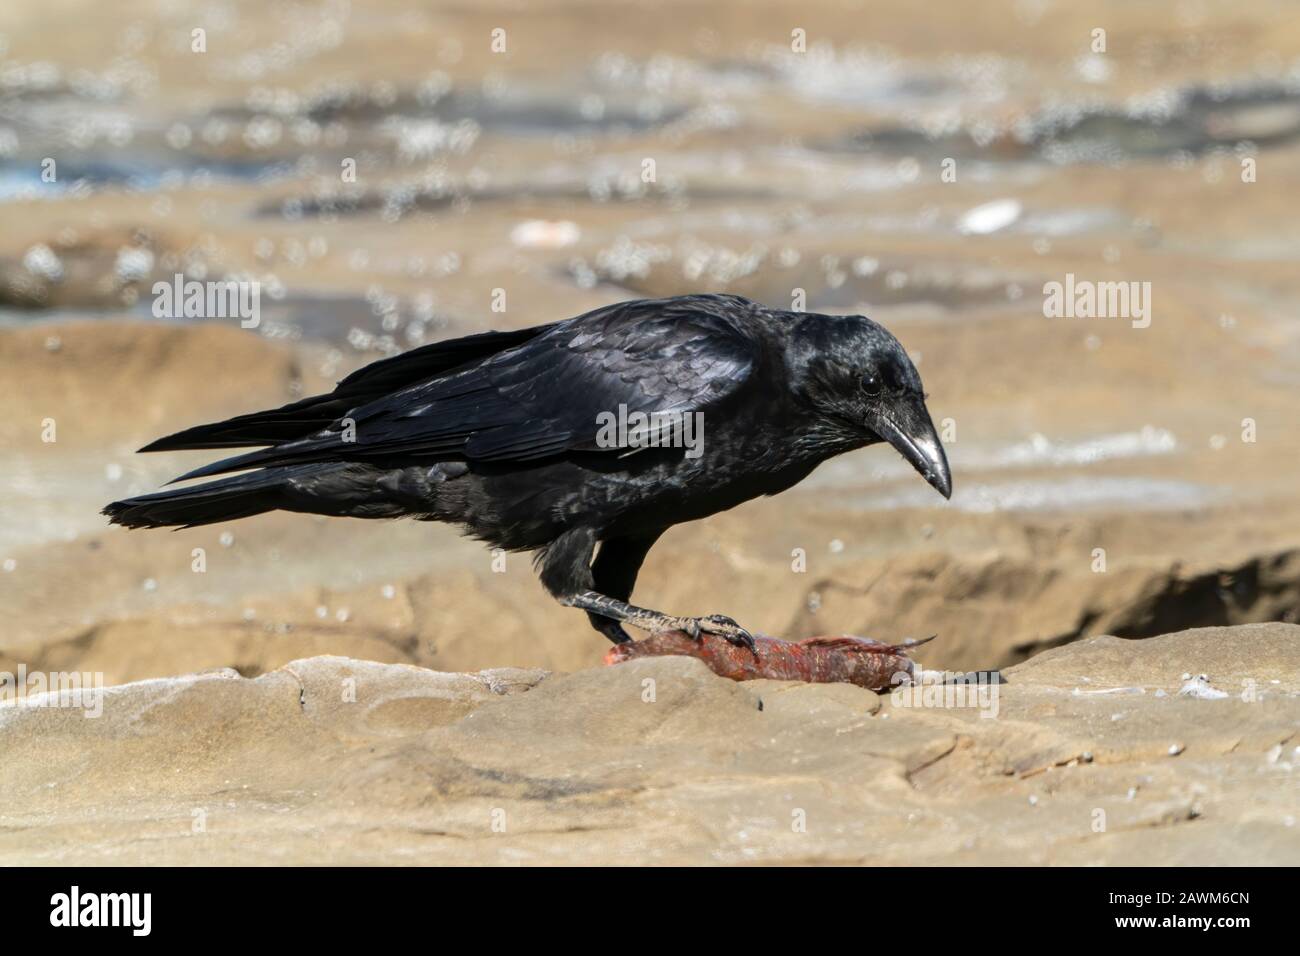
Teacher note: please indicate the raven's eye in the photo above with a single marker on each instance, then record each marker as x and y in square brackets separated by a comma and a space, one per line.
[871, 384]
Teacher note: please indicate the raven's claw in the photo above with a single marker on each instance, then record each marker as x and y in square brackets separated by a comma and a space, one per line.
[725, 627]
[693, 627]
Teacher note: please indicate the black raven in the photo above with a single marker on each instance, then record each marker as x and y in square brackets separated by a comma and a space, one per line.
[515, 436]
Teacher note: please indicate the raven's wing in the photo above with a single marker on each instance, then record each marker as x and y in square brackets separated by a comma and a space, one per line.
[548, 396]
[302, 418]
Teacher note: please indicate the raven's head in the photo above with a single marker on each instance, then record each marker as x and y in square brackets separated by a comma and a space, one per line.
[865, 389]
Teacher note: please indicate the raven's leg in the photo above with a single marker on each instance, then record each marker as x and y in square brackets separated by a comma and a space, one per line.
[566, 572]
[656, 621]
[614, 573]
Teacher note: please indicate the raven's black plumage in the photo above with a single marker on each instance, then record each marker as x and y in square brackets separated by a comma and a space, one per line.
[499, 433]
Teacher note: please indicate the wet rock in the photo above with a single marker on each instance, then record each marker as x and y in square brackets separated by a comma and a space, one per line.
[1189, 122]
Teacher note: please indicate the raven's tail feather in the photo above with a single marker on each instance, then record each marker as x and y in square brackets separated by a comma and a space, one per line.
[324, 488]
[237, 497]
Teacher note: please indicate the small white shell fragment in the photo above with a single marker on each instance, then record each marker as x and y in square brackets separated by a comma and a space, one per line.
[42, 261]
[1108, 690]
[989, 217]
[1199, 686]
[545, 234]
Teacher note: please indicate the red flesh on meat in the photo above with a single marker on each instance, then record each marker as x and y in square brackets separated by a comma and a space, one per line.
[820, 660]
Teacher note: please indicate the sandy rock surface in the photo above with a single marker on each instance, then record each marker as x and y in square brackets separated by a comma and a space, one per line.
[1089, 755]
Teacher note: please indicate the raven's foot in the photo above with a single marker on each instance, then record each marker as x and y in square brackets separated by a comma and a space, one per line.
[718, 624]
[656, 622]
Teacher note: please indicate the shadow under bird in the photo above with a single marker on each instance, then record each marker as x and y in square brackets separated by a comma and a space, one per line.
[508, 435]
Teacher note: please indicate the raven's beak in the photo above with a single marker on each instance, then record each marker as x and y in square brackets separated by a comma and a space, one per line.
[913, 434]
